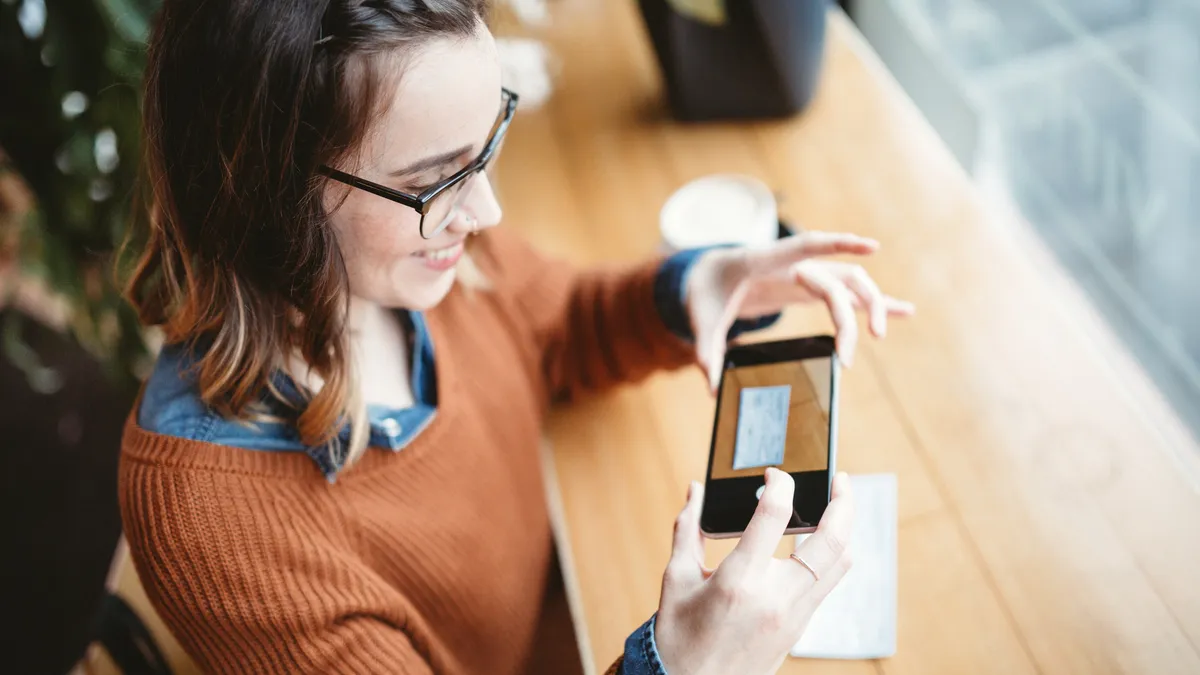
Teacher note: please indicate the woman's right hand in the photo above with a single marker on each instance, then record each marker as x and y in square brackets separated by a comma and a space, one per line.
[745, 616]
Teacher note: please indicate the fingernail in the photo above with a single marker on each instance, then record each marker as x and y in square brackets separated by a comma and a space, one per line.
[691, 489]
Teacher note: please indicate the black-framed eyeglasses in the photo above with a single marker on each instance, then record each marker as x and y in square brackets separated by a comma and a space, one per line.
[439, 204]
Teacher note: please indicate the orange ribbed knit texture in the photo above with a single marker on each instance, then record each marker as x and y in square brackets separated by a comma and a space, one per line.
[428, 560]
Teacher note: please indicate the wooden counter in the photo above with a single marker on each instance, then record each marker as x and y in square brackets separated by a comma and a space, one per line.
[1049, 515]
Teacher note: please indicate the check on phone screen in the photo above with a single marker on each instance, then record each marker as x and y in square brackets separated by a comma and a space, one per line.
[780, 418]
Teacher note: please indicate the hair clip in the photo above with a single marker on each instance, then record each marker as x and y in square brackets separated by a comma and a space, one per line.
[323, 38]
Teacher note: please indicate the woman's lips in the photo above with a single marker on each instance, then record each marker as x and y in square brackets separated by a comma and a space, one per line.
[441, 259]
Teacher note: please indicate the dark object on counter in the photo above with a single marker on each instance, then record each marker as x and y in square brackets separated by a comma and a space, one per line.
[127, 640]
[58, 497]
[764, 61]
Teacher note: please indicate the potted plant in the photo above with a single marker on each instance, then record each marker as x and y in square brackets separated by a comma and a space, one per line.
[69, 73]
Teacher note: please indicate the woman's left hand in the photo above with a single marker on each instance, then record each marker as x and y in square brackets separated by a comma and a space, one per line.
[731, 283]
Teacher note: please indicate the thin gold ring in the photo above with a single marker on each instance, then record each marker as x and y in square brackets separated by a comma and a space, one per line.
[796, 556]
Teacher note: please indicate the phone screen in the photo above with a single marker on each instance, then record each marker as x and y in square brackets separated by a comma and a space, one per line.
[779, 414]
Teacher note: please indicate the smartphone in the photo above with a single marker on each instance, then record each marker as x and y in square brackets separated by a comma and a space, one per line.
[776, 406]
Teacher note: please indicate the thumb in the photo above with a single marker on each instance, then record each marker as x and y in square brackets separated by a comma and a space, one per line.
[711, 343]
[710, 350]
[687, 550]
[716, 365]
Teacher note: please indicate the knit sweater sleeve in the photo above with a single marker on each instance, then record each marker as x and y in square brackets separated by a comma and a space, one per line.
[593, 329]
[250, 583]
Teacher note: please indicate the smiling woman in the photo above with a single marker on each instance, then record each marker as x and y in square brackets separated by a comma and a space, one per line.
[317, 169]
[315, 247]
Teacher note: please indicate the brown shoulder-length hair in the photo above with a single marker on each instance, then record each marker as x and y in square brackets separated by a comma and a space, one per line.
[244, 100]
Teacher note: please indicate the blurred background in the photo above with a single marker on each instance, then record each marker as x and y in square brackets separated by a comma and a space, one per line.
[1082, 117]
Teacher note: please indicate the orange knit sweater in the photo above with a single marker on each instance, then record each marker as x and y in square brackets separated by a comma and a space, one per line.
[429, 560]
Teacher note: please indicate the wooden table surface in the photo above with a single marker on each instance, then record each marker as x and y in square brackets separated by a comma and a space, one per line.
[1049, 514]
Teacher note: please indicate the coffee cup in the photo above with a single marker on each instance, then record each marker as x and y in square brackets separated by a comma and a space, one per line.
[720, 209]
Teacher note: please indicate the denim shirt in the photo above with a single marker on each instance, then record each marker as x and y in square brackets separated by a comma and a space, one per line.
[641, 652]
[171, 405]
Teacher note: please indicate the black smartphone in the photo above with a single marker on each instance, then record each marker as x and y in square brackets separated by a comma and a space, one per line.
[776, 406]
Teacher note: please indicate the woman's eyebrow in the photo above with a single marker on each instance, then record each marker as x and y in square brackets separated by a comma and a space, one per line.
[431, 162]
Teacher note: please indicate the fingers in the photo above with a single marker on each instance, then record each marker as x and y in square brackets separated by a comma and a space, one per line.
[871, 297]
[821, 282]
[770, 519]
[826, 549]
[811, 244]
[896, 307]
[687, 549]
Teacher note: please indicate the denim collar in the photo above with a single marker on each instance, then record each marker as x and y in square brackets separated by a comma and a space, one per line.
[171, 405]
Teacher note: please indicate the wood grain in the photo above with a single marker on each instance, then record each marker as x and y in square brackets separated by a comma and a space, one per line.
[1049, 514]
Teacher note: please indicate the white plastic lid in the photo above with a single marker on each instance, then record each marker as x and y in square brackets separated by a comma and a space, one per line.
[720, 209]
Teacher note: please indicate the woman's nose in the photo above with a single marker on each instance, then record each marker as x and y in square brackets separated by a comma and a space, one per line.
[482, 201]
[480, 204]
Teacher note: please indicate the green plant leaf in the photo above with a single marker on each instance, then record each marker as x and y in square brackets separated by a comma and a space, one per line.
[130, 19]
[96, 47]
[41, 379]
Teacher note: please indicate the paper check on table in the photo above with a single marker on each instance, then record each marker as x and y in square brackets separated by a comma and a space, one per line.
[858, 619]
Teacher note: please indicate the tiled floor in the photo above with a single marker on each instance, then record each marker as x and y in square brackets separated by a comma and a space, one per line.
[1091, 118]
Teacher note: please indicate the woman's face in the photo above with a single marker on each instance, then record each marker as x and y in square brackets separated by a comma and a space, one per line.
[438, 119]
